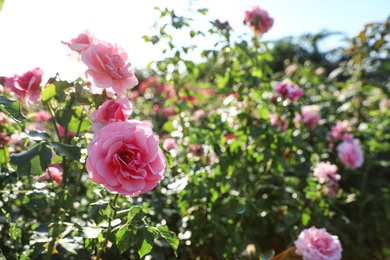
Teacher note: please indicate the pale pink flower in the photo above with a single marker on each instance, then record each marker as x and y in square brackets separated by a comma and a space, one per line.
[290, 69]
[126, 158]
[61, 131]
[27, 86]
[110, 111]
[16, 140]
[52, 173]
[169, 111]
[109, 69]
[259, 20]
[310, 117]
[35, 127]
[170, 145]
[338, 130]
[350, 153]
[288, 90]
[348, 137]
[326, 172]
[80, 43]
[42, 116]
[280, 122]
[318, 244]
[199, 114]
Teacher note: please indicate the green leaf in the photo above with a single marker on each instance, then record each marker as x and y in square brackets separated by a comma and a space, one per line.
[34, 161]
[169, 236]
[48, 92]
[38, 136]
[132, 213]
[35, 201]
[12, 109]
[305, 218]
[71, 151]
[63, 117]
[79, 122]
[15, 232]
[168, 155]
[56, 89]
[145, 241]
[203, 11]
[124, 239]
[97, 213]
[4, 155]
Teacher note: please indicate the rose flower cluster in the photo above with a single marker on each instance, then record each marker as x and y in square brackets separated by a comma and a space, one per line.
[124, 155]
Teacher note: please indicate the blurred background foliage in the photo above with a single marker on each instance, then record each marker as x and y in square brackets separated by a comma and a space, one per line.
[236, 187]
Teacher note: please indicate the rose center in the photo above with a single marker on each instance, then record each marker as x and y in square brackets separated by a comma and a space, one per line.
[126, 156]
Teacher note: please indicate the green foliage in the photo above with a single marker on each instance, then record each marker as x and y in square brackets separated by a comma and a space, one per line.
[235, 179]
[12, 109]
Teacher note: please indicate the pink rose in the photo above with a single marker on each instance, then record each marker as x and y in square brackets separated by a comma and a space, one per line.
[109, 69]
[80, 43]
[199, 114]
[350, 153]
[110, 111]
[26, 86]
[169, 111]
[36, 127]
[288, 90]
[310, 116]
[126, 158]
[326, 172]
[170, 145]
[52, 173]
[43, 116]
[318, 244]
[280, 122]
[61, 132]
[339, 132]
[341, 128]
[258, 19]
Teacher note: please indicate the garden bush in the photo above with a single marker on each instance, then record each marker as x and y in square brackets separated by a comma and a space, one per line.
[248, 147]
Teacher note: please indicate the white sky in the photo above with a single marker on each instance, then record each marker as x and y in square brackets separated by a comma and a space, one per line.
[31, 30]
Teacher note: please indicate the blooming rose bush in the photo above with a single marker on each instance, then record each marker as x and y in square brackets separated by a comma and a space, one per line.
[74, 128]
